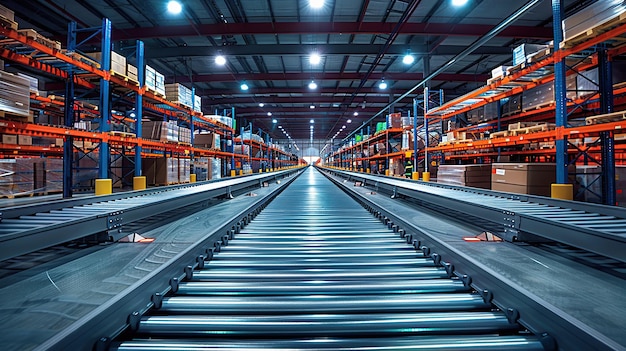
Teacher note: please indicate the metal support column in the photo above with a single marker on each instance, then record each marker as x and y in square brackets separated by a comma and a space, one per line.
[560, 92]
[607, 139]
[426, 63]
[141, 76]
[68, 143]
[105, 99]
[415, 150]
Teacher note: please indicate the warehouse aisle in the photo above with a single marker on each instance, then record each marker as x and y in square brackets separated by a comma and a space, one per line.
[315, 270]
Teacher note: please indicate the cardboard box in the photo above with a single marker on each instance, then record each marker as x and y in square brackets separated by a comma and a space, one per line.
[394, 120]
[522, 52]
[6, 13]
[9, 139]
[209, 141]
[476, 176]
[25, 140]
[523, 178]
[131, 72]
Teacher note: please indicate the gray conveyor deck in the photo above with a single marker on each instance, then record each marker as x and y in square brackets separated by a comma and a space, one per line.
[314, 270]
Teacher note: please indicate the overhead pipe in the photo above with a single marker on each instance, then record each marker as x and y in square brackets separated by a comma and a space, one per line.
[475, 45]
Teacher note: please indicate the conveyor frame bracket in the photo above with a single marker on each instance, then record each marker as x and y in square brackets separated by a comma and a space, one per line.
[114, 225]
[511, 223]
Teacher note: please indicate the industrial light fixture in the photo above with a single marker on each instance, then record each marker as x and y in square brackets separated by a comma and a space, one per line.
[312, 121]
[174, 7]
[315, 58]
[316, 4]
[459, 2]
[349, 121]
[274, 121]
[261, 104]
[355, 114]
[382, 85]
[244, 86]
[269, 114]
[312, 85]
[408, 59]
[312, 107]
[220, 60]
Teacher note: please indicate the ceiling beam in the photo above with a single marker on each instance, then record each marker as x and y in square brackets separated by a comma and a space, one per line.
[304, 49]
[218, 29]
[388, 76]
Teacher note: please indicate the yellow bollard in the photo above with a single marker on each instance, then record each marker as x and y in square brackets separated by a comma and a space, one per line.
[104, 186]
[260, 170]
[426, 176]
[562, 191]
[233, 173]
[241, 172]
[368, 170]
[387, 172]
[415, 175]
[192, 178]
[139, 183]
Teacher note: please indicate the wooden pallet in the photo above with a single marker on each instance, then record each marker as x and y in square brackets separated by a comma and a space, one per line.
[606, 118]
[123, 134]
[124, 77]
[519, 125]
[7, 23]
[540, 106]
[84, 59]
[32, 34]
[593, 32]
[501, 134]
[534, 129]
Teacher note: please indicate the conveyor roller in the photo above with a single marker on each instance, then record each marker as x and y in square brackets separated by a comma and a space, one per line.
[316, 271]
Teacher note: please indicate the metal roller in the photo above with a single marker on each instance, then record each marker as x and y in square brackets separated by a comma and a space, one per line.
[243, 305]
[298, 287]
[314, 264]
[379, 324]
[318, 274]
[440, 343]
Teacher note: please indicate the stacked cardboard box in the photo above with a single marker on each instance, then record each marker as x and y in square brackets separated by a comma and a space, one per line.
[150, 78]
[161, 171]
[394, 120]
[523, 178]
[184, 135]
[524, 51]
[161, 131]
[208, 140]
[197, 103]
[14, 94]
[179, 93]
[476, 176]
[118, 62]
[159, 82]
[131, 72]
[589, 183]
[242, 149]
[184, 170]
[54, 175]
[407, 140]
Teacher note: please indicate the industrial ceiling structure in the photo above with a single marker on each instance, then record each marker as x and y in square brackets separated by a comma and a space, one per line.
[268, 46]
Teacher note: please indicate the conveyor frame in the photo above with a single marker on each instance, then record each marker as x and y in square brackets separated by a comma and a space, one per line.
[516, 225]
[532, 312]
[95, 330]
[111, 222]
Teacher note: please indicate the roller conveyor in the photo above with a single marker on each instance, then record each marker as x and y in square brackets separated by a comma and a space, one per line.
[315, 271]
[596, 228]
[25, 229]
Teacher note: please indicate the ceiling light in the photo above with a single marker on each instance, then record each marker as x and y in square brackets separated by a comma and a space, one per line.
[261, 104]
[274, 121]
[355, 114]
[281, 127]
[269, 114]
[312, 121]
[220, 60]
[344, 127]
[312, 85]
[459, 2]
[315, 58]
[382, 85]
[312, 106]
[316, 4]
[349, 121]
[408, 59]
[174, 7]
[244, 86]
